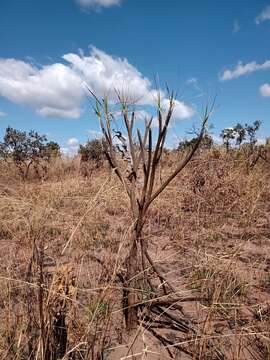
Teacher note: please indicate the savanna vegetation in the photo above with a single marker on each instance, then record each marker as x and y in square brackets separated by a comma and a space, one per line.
[133, 251]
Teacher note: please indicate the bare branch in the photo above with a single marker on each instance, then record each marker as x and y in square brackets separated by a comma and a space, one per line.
[184, 162]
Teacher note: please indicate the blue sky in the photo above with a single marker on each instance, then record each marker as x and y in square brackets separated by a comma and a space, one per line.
[50, 49]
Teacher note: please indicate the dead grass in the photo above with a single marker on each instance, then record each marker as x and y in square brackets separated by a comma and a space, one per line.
[63, 240]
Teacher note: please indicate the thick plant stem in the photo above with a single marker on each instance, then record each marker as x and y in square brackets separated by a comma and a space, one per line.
[132, 267]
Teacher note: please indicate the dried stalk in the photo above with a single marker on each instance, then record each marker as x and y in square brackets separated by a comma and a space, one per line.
[140, 184]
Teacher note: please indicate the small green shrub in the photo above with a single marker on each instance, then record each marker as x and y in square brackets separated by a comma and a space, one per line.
[97, 310]
[93, 150]
[220, 288]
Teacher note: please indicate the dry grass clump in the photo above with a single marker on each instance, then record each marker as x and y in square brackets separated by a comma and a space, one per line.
[45, 227]
[219, 284]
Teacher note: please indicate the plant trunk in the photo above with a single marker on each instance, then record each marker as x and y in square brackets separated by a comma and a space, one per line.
[131, 311]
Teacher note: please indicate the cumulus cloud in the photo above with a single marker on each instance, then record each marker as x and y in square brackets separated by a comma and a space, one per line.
[2, 113]
[265, 90]
[263, 16]
[98, 3]
[53, 90]
[57, 90]
[181, 110]
[52, 112]
[243, 69]
[73, 142]
[71, 147]
[104, 73]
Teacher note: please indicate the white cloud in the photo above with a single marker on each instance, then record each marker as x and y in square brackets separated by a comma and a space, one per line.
[217, 139]
[181, 110]
[243, 69]
[142, 115]
[98, 3]
[52, 90]
[263, 16]
[57, 90]
[261, 141]
[51, 112]
[71, 147]
[68, 151]
[94, 134]
[236, 27]
[104, 73]
[2, 113]
[265, 90]
[73, 142]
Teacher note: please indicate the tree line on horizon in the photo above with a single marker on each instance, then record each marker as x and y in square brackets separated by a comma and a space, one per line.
[31, 150]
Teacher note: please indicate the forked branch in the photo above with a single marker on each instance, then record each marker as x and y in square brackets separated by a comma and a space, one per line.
[137, 169]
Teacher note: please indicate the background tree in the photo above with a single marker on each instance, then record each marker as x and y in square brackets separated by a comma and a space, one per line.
[251, 131]
[227, 135]
[52, 150]
[26, 150]
[206, 143]
[93, 150]
[240, 133]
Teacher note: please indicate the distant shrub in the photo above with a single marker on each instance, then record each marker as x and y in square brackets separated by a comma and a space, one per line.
[51, 150]
[27, 150]
[93, 151]
[206, 143]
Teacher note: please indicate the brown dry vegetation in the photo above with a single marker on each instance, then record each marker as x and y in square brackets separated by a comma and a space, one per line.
[62, 246]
